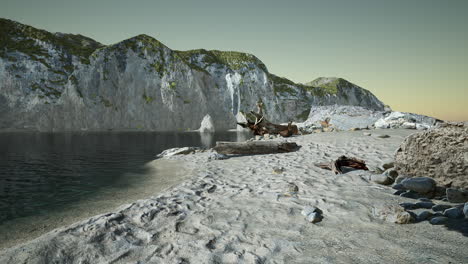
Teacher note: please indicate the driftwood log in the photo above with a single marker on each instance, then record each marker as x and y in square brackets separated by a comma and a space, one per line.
[262, 126]
[343, 161]
[255, 147]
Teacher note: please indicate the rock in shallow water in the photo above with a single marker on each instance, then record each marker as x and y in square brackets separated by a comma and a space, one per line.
[420, 184]
[465, 210]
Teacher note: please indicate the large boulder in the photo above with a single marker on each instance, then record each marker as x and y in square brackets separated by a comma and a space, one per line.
[207, 125]
[440, 153]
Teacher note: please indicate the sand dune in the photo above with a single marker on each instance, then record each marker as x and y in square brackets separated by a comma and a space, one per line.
[228, 211]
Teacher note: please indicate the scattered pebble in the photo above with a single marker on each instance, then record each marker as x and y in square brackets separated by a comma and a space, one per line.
[292, 188]
[383, 136]
[278, 170]
[312, 214]
[367, 134]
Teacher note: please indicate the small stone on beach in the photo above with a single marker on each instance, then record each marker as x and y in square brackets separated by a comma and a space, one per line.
[439, 220]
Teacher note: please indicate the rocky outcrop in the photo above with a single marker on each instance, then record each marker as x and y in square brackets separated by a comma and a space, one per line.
[440, 153]
[341, 117]
[406, 120]
[57, 82]
[206, 125]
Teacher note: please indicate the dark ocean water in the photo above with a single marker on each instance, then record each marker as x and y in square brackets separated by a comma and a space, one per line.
[40, 172]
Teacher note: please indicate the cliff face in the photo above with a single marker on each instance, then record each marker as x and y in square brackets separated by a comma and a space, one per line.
[57, 82]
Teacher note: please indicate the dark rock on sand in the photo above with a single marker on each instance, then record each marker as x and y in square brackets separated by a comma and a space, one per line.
[454, 213]
[439, 220]
[424, 215]
[420, 184]
[457, 196]
[440, 207]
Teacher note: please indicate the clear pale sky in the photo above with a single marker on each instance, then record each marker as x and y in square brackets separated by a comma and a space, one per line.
[412, 54]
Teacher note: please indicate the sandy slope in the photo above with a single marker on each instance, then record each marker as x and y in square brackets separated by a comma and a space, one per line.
[228, 212]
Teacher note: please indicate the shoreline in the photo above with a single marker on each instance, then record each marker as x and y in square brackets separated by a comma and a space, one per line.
[228, 212]
[160, 177]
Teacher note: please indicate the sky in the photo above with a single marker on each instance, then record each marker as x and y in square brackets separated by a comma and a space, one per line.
[412, 54]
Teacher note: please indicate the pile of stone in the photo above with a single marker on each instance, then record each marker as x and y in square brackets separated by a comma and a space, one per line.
[453, 202]
[346, 117]
[406, 120]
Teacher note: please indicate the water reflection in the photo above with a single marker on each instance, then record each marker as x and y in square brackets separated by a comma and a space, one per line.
[47, 171]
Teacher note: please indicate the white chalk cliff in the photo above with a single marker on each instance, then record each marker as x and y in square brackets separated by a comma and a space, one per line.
[64, 82]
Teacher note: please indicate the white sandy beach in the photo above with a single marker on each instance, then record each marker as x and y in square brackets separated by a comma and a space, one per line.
[227, 211]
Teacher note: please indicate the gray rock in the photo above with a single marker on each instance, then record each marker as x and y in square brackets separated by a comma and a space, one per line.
[438, 153]
[177, 151]
[457, 196]
[409, 206]
[440, 207]
[400, 178]
[381, 179]
[392, 173]
[424, 215]
[399, 186]
[399, 192]
[419, 184]
[292, 188]
[388, 165]
[436, 214]
[217, 156]
[438, 220]
[410, 194]
[367, 134]
[312, 214]
[454, 213]
[425, 205]
[383, 136]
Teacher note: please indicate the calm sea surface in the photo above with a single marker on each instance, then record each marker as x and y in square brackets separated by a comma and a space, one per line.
[43, 172]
